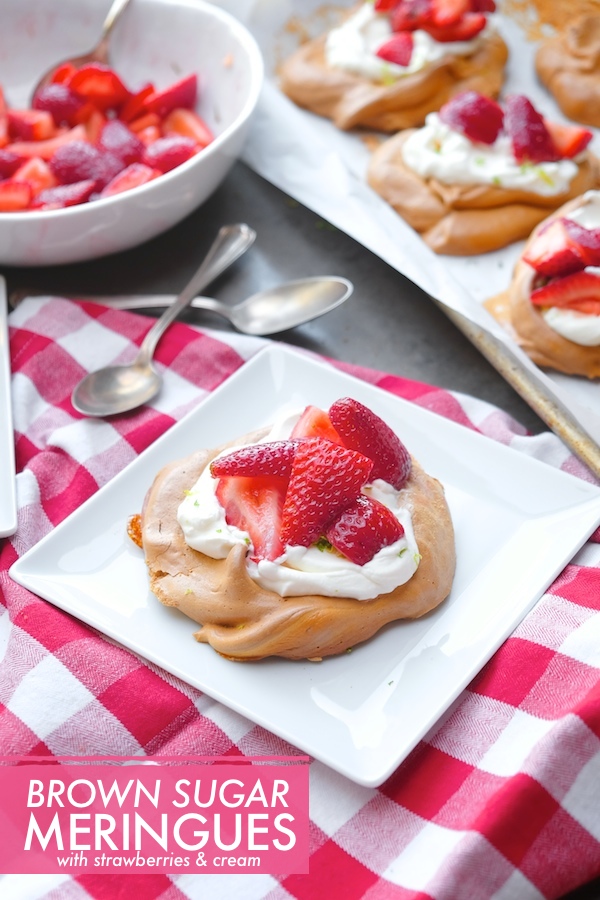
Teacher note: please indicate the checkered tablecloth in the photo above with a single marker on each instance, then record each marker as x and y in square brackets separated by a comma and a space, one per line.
[501, 801]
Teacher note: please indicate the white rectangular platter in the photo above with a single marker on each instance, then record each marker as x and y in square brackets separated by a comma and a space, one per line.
[8, 491]
[517, 522]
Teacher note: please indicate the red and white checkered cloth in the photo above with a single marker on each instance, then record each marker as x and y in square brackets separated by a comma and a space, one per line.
[501, 801]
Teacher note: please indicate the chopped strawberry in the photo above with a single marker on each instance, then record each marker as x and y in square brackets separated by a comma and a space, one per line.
[411, 14]
[363, 529]
[477, 117]
[554, 252]
[79, 161]
[569, 140]
[398, 49]
[37, 173]
[568, 291]
[9, 162]
[4, 136]
[146, 121]
[149, 134]
[94, 125]
[325, 478]
[587, 241]
[531, 140]
[362, 430]
[314, 422]
[133, 176]
[188, 123]
[468, 26]
[134, 106]
[182, 93]
[169, 152]
[448, 12]
[116, 138]
[30, 124]
[483, 6]
[47, 149]
[63, 73]
[64, 195]
[255, 505]
[384, 5]
[61, 102]
[14, 196]
[271, 458]
[100, 85]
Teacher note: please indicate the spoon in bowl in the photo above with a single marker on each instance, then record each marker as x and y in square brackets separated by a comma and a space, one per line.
[117, 389]
[98, 54]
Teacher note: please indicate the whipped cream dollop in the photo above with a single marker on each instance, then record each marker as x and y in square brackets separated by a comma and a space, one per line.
[354, 44]
[302, 570]
[438, 151]
[581, 328]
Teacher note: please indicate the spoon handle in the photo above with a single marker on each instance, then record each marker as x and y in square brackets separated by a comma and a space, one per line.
[112, 16]
[230, 243]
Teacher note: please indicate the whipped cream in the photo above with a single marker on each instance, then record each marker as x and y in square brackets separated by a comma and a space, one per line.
[302, 570]
[438, 151]
[353, 46]
[581, 328]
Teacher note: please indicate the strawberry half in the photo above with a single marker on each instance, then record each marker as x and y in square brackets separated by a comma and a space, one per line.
[448, 12]
[465, 29]
[477, 117]
[587, 241]
[314, 422]
[531, 140]
[571, 292]
[362, 430]
[554, 251]
[569, 140]
[271, 458]
[255, 505]
[398, 49]
[325, 478]
[411, 14]
[363, 529]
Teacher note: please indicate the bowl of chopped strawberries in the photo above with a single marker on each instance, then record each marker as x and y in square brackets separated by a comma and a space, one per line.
[107, 156]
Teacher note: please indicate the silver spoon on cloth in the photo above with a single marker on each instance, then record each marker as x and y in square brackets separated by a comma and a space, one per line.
[99, 53]
[118, 389]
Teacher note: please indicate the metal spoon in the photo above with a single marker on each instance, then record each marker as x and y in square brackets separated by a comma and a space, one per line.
[99, 53]
[117, 389]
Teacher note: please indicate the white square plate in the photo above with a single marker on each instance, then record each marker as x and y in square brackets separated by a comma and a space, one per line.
[518, 522]
[8, 493]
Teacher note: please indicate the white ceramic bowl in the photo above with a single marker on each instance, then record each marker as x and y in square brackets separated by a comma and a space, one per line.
[156, 40]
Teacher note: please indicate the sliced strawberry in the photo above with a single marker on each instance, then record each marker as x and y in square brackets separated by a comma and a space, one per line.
[411, 14]
[188, 123]
[30, 124]
[133, 176]
[483, 6]
[64, 195]
[569, 140]
[255, 505]
[448, 12]
[116, 138]
[63, 73]
[61, 102]
[4, 136]
[94, 125]
[149, 134]
[554, 252]
[362, 430]
[169, 152]
[47, 149]
[587, 241]
[146, 121]
[100, 85]
[183, 93]
[587, 306]
[314, 422]
[531, 140]
[477, 117]
[363, 529]
[9, 162]
[271, 458]
[14, 196]
[384, 5]
[398, 49]
[325, 478]
[467, 27]
[564, 292]
[37, 173]
[134, 106]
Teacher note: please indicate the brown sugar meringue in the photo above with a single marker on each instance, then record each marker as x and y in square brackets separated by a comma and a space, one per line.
[353, 99]
[242, 620]
[568, 64]
[526, 322]
[466, 219]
